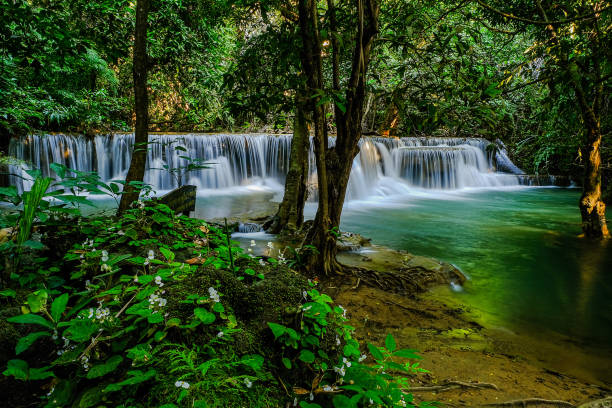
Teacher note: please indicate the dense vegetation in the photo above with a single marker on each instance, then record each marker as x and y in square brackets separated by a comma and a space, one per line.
[449, 68]
[155, 309]
[149, 308]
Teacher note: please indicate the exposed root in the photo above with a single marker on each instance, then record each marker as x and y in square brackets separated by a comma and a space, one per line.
[531, 401]
[357, 284]
[451, 385]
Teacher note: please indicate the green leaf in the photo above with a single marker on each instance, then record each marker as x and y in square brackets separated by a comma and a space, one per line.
[375, 352]
[218, 307]
[59, 306]
[277, 329]
[80, 330]
[390, 343]
[109, 366]
[8, 293]
[40, 373]
[30, 319]
[25, 342]
[204, 315]
[255, 361]
[33, 244]
[169, 255]
[37, 300]
[18, 369]
[286, 362]
[307, 356]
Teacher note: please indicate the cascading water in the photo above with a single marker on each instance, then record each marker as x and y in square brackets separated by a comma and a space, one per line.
[384, 166]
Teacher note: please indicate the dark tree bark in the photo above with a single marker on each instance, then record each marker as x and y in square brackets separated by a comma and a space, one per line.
[141, 107]
[334, 163]
[290, 215]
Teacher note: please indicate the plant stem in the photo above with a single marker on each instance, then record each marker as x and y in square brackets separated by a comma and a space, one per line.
[229, 245]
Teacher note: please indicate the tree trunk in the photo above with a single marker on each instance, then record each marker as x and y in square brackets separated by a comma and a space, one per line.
[141, 107]
[592, 207]
[334, 164]
[290, 215]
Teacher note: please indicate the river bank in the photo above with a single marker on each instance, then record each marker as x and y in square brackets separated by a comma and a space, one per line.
[492, 364]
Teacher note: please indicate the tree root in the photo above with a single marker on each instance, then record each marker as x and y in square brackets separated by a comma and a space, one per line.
[531, 401]
[451, 385]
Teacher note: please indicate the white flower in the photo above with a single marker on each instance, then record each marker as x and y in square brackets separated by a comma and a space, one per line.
[371, 401]
[248, 383]
[146, 262]
[307, 308]
[327, 388]
[337, 341]
[136, 278]
[104, 256]
[270, 245]
[305, 295]
[311, 396]
[158, 281]
[220, 334]
[120, 232]
[295, 401]
[141, 205]
[151, 255]
[91, 313]
[345, 361]
[106, 268]
[249, 250]
[214, 295]
[261, 262]
[253, 243]
[162, 302]
[340, 370]
[363, 357]
[181, 384]
[343, 311]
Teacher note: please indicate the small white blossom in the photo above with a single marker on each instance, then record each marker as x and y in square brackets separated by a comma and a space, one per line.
[343, 311]
[340, 370]
[151, 255]
[327, 388]
[363, 357]
[104, 256]
[249, 250]
[270, 245]
[214, 295]
[106, 268]
[337, 340]
[253, 243]
[345, 361]
[181, 384]
[141, 204]
[158, 281]
[311, 396]
[136, 278]
[261, 262]
[120, 232]
[305, 295]
[248, 383]
[146, 262]
[295, 401]
[220, 334]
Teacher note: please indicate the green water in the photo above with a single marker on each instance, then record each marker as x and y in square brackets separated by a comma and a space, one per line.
[528, 269]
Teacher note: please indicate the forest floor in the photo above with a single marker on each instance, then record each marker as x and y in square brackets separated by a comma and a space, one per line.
[480, 366]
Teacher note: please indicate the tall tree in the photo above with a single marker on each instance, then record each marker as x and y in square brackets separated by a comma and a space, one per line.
[573, 41]
[334, 163]
[141, 107]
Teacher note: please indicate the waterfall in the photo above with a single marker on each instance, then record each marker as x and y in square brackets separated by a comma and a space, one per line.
[384, 166]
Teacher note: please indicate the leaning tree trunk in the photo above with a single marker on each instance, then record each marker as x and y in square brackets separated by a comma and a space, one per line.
[141, 107]
[290, 215]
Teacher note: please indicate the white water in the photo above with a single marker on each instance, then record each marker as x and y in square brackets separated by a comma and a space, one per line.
[256, 162]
